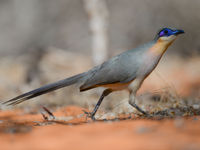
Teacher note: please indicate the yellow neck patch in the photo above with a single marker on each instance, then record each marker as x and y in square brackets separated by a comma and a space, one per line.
[162, 44]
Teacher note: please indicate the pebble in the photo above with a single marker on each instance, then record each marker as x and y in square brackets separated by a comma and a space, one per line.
[178, 122]
[142, 130]
[195, 106]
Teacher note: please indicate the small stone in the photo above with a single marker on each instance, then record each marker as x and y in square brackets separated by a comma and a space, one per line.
[195, 106]
[178, 122]
[195, 119]
[142, 130]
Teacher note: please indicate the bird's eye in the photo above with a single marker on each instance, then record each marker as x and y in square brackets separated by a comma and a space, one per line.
[165, 31]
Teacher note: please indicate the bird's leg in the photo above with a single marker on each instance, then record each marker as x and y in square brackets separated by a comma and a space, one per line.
[104, 94]
[132, 102]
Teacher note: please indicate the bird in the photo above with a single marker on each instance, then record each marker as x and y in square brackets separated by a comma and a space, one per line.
[125, 71]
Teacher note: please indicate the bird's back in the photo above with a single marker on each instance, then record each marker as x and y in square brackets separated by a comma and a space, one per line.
[119, 69]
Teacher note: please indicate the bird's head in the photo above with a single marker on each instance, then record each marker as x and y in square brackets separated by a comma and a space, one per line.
[167, 35]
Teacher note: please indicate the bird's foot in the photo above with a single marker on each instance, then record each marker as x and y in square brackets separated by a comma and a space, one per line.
[89, 115]
[140, 110]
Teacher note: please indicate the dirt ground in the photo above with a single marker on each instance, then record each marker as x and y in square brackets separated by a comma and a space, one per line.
[22, 131]
[171, 95]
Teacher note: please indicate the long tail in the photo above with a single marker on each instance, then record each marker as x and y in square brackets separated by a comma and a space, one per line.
[45, 89]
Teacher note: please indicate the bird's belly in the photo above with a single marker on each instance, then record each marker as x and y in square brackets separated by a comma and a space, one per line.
[117, 86]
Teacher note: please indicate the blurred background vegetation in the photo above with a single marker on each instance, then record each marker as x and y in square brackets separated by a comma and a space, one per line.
[36, 24]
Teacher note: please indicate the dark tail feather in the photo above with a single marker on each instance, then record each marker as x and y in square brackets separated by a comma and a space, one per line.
[45, 89]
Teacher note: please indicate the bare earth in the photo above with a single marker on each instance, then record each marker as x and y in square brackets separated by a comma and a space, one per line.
[21, 131]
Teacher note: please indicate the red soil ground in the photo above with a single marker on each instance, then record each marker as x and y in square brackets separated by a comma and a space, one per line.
[26, 131]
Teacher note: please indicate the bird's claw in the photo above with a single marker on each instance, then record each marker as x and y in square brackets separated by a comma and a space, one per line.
[146, 114]
[142, 111]
[89, 115]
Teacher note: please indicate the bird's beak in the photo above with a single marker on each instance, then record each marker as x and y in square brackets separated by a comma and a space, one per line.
[177, 32]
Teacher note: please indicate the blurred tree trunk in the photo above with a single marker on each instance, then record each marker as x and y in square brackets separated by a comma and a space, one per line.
[98, 19]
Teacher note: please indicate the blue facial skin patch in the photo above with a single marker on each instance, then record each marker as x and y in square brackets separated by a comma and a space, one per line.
[167, 32]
